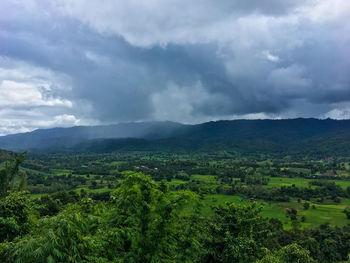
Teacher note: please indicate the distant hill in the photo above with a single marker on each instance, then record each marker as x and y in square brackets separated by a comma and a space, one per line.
[314, 137]
[44, 139]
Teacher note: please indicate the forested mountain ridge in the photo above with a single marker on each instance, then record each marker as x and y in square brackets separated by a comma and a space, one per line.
[68, 137]
[317, 137]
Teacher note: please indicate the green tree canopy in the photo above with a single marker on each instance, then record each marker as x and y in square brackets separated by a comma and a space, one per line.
[8, 174]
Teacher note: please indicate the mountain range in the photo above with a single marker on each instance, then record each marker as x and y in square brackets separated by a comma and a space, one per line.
[287, 136]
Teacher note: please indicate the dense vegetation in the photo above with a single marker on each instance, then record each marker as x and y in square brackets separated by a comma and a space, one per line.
[159, 207]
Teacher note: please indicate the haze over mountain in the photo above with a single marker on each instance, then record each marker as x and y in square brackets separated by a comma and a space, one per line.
[289, 135]
[68, 137]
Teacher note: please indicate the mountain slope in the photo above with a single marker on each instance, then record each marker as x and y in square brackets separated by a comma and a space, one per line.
[68, 137]
[297, 136]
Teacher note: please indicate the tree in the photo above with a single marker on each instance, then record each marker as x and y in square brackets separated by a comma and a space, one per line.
[8, 174]
[289, 254]
[144, 222]
[14, 216]
[347, 212]
[237, 233]
[67, 237]
[292, 213]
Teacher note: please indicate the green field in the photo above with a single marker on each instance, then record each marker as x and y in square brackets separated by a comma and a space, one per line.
[332, 214]
[204, 178]
[300, 182]
[176, 182]
[280, 181]
[323, 213]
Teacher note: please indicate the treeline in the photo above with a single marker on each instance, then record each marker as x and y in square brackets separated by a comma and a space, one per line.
[329, 191]
[284, 193]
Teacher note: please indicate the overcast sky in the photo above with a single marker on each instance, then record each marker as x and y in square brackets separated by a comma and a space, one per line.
[79, 62]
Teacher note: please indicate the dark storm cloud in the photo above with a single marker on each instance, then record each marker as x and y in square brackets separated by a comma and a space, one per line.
[83, 62]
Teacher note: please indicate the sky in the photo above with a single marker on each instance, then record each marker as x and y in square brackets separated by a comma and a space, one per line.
[78, 62]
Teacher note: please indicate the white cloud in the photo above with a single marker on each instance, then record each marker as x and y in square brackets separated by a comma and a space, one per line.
[338, 114]
[98, 59]
[270, 56]
[328, 10]
[17, 94]
[30, 98]
[255, 116]
[16, 122]
[64, 120]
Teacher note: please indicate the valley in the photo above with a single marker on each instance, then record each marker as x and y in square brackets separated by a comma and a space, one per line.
[277, 185]
[207, 190]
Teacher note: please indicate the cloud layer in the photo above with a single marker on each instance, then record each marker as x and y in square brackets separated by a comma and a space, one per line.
[71, 62]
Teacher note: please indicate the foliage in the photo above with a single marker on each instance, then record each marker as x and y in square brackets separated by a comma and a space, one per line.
[145, 220]
[62, 238]
[14, 216]
[141, 224]
[237, 233]
[289, 254]
[8, 174]
[175, 210]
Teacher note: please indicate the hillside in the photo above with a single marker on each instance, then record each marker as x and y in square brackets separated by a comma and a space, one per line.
[43, 139]
[290, 136]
